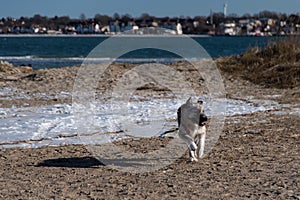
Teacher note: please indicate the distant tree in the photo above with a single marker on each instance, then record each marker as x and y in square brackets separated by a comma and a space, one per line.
[103, 20]
[145, 16]
[255, 16]
[126, 18]
[116, 16]
[246, 16]
[63, 20]
[82, 17]
[233, 15]
[37, 19]
[24, 20]
[97, 17]
[218, 18]
[282, 17]
[293, 19]
[200, 18]
[268, 14]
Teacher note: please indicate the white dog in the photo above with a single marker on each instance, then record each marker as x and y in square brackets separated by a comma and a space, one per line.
[191, 122]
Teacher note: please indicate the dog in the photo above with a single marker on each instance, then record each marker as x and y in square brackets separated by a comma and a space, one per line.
[192, 127]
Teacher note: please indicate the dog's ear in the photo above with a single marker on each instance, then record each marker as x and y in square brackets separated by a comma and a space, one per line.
[189, 100]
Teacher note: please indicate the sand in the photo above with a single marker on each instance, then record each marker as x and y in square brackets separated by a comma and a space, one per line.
[256, 156]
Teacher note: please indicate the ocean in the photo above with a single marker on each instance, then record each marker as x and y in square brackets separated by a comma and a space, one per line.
[60, 51]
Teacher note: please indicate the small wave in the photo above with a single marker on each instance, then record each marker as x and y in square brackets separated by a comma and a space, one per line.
[137, 60]
[16, 57]
[33, 57]
[88, 59]
[38, 62]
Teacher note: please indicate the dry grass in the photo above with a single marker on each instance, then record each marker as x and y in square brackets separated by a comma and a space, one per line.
[277, 65]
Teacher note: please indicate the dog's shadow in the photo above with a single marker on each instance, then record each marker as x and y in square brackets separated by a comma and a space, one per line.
[75, 162]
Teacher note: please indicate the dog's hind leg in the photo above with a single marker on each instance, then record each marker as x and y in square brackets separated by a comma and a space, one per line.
[193, 154]
[191, 144]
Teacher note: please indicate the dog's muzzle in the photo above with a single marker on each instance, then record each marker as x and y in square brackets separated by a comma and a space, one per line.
[203, 120]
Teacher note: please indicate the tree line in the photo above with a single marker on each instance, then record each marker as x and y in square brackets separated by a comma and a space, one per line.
[203, 22]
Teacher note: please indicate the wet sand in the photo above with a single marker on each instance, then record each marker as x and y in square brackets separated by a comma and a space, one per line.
[256, 156]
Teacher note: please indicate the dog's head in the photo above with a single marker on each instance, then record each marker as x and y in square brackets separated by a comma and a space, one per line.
[193, 112]
[203, 117]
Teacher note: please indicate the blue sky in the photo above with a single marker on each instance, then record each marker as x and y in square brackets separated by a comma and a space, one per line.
[159, 8]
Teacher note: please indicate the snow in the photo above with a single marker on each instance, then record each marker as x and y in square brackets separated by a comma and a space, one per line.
[32, 127]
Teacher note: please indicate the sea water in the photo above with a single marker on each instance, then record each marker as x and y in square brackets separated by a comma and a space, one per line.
[59, 51]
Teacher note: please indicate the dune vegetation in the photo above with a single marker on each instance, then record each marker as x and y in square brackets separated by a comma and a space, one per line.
[276, 65]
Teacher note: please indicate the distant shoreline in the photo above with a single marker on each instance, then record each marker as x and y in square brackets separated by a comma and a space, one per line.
[99, 35]
[131, 35]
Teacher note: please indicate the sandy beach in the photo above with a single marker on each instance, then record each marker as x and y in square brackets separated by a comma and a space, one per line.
[256, 156]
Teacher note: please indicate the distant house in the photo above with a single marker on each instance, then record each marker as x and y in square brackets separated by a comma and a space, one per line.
[179, 29]
[230, 28]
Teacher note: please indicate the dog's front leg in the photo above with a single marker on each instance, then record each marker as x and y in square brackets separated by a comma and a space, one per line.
[202, 144]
